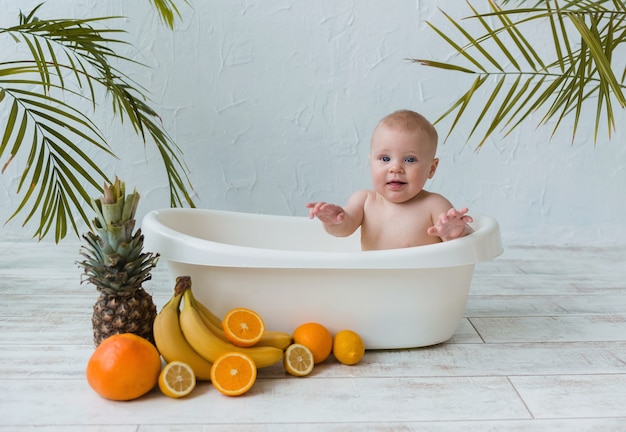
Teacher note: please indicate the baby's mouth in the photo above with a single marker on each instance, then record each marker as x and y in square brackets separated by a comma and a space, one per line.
[395, 184]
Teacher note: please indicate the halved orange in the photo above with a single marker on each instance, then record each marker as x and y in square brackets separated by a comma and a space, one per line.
[298, 360]
[243, 327]
[177, 379]
[233, 373]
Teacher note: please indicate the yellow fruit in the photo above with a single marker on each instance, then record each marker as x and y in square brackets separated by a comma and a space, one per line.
[210, 346]
[177, 379]
[172, 344]
[233, 373]
[276, 339]
[348, 347]
[315, 337]
[298, 360]
[243, 327]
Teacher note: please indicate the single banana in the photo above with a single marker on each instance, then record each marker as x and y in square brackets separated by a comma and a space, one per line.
[172, 344]
[210, 346]
[208, 315]
[276, 339]
[209, 319]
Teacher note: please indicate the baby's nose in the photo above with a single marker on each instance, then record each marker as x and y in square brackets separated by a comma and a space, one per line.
[395, 167]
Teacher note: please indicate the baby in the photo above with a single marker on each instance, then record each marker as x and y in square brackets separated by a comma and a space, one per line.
[398, 213]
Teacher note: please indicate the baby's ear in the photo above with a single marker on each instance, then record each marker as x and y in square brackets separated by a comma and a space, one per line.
[433, 167]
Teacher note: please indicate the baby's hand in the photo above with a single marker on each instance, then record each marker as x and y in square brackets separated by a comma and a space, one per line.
[325, 212]
[452, 224]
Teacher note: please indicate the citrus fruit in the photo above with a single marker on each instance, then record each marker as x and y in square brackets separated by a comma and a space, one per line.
[177, 379]
[233, 373]
[348, 347]
[243, 327]
[315, 337]
[123, 367]
[298, 360]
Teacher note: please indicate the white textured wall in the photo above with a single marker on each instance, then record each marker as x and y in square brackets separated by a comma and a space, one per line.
[273, 103]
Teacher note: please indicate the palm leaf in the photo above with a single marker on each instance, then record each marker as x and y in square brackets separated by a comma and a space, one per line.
[493, 35]
[486, 108]
[59, 173]
[565, 81]
[168, 10]
[512, 96]
[596, 51]
[463, 102]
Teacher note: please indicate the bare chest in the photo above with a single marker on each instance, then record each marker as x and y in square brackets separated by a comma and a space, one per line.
[390, 228]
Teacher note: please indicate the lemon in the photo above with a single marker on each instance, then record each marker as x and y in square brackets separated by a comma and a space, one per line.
[298, 360]
[348, 347]
[177, 379]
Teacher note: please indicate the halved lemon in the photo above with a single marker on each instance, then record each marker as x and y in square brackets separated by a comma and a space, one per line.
[298, 360]
[177, 379]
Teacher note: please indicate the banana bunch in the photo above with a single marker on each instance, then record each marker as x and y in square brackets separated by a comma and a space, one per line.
[194, 335]
[169, 337]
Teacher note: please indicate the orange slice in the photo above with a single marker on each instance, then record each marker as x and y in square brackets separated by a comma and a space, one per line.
[243, 327]
[233, 373]
[298, 360]
[177, 379]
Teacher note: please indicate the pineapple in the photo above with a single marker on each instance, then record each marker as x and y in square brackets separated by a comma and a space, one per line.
[116, 265]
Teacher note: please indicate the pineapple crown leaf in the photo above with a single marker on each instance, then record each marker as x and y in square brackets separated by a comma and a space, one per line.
[114, 260]
[114, 207]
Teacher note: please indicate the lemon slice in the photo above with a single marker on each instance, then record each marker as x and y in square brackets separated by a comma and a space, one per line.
[298, 360]
[177, 379]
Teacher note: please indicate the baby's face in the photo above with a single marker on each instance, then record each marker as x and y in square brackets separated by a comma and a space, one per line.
[401, 162]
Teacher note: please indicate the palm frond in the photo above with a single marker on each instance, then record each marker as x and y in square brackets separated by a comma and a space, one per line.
[50, 126]
[560, 82]
[167, 10]
[59, 172]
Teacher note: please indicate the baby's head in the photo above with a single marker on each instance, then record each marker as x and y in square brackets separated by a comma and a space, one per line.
[402, 155]
[408, 121]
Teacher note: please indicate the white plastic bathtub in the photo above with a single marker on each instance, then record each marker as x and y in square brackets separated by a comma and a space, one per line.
[291, 271]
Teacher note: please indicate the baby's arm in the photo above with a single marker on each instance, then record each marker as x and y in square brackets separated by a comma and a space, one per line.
[452, 224]
[337, 220]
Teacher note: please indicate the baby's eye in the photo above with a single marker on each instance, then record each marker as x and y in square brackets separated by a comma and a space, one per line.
[410, 159]
[385, 158]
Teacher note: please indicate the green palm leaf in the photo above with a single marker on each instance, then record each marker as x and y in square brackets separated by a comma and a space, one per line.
[168, 10]
[579, 71]
[59, 175]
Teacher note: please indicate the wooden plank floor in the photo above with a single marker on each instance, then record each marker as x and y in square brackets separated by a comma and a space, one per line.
[542, 347]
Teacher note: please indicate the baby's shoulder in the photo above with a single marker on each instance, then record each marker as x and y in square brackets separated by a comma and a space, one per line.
[363, 195]
[432, 197]
[435, 202]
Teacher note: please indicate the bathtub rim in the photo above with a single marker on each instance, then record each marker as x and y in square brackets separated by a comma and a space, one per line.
[481, 245]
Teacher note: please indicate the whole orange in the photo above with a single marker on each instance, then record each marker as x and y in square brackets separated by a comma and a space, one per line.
[124, 367]
[315, 337]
